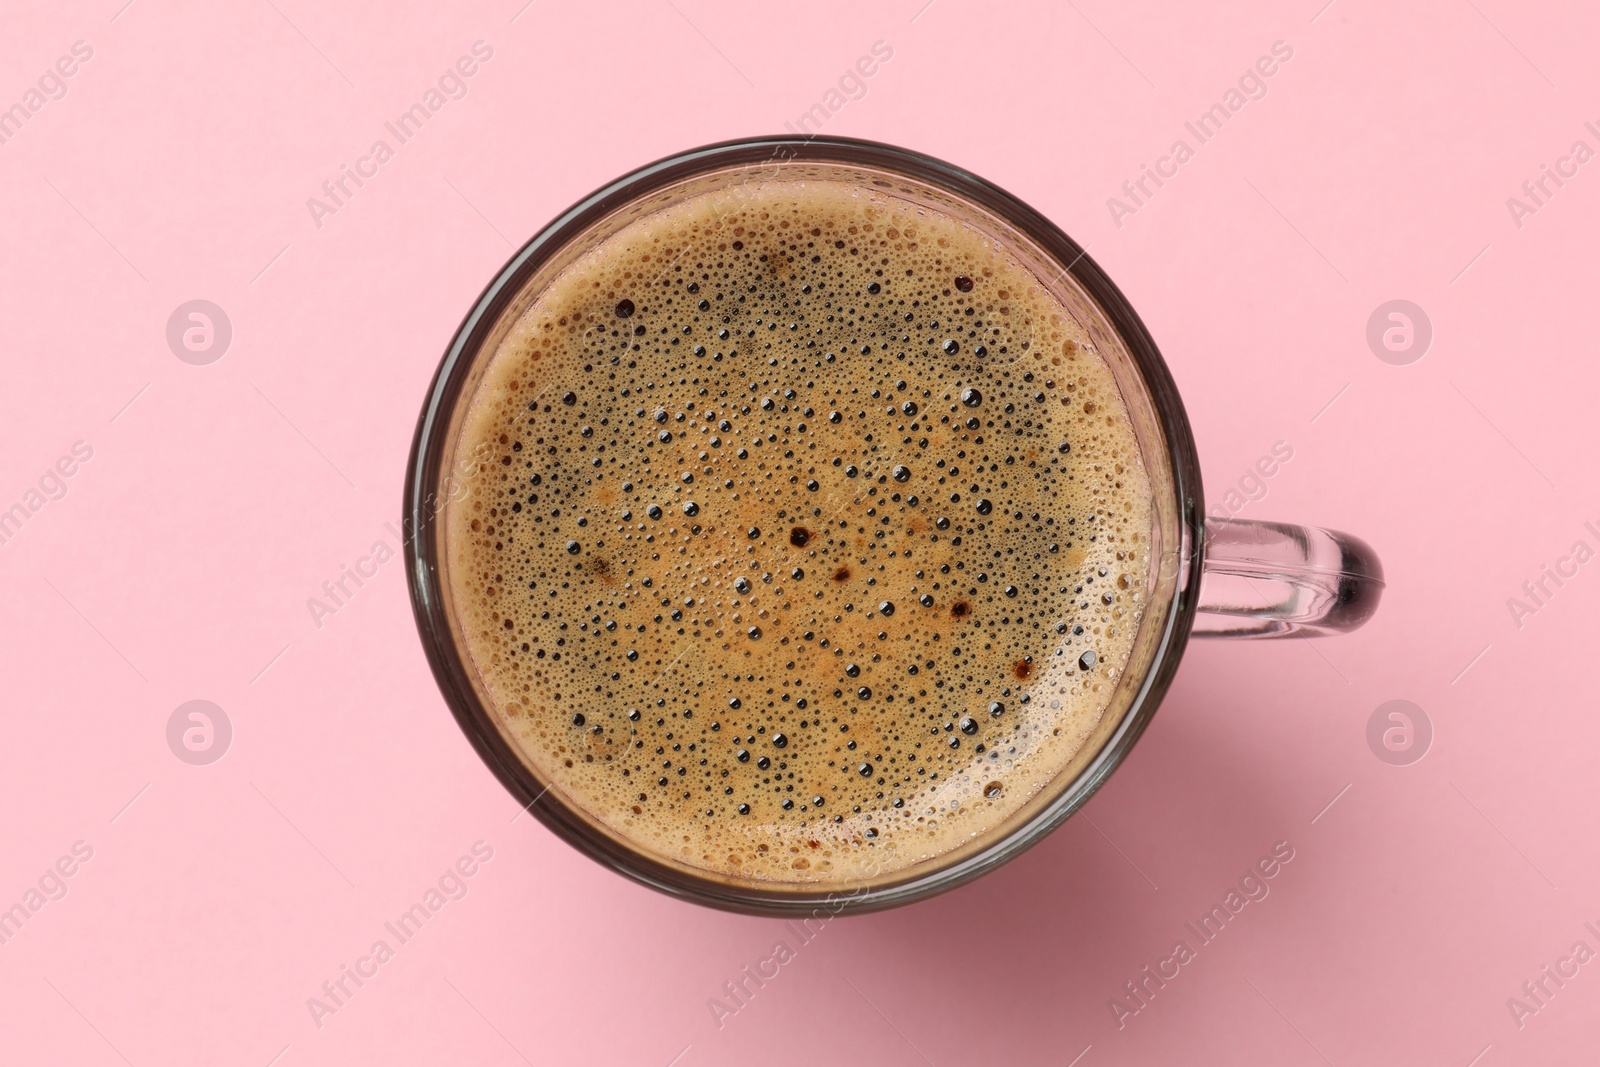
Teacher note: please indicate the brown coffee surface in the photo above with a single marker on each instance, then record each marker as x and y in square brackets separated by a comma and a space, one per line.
[806, 535]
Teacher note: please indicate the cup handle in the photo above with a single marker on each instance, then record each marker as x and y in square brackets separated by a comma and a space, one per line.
[1270, 579]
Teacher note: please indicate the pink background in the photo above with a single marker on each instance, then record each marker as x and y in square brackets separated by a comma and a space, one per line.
[178, 565]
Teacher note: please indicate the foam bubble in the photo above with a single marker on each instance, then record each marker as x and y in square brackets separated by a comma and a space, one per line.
[811, 538]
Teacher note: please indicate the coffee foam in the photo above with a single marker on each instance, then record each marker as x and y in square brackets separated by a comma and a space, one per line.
[809, 538]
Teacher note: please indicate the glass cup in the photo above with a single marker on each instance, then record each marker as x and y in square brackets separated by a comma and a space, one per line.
[1216, 577]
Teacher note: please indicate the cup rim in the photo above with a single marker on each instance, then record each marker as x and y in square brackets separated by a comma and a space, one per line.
[422, 541]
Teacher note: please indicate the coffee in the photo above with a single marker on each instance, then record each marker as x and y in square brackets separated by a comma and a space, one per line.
[805, 534]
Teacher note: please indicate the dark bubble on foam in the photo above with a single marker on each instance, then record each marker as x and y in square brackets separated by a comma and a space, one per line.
[872, 503]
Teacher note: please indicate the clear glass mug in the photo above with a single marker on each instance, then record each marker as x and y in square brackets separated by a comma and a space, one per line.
[1213, 577]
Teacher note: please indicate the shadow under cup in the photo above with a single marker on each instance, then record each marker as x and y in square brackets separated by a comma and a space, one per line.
[435, 473]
